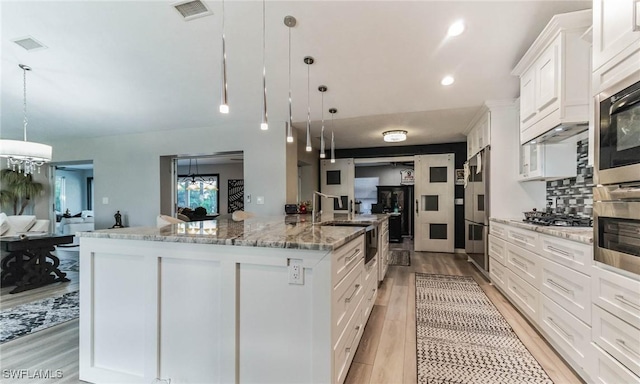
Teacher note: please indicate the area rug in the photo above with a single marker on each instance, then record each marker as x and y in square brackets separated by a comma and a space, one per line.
[69, 265]
[462, 338]
[28, 318]
[400, 257]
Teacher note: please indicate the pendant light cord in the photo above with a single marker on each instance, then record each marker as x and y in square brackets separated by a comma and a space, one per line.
[25, 121]
[264, 66]
[290, 112]
[308, 100]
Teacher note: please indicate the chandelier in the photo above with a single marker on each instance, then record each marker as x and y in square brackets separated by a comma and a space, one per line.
[194, 180]
[25, 155]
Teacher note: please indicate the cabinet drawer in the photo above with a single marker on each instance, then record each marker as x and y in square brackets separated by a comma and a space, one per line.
[523, 295]
[524, 263]
[346, 257]
[569, 253]
[370, 290]
[607, 370]
[571, 335]
[498, 273]
[523, 238]
[618, 338]
[346, 298]
[617, 294]
[498, 229]
[346, 347]
[498, 249]
[570, 289]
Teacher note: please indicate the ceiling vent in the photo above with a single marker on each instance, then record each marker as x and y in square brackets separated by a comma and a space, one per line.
[191, 9]
[29, 43]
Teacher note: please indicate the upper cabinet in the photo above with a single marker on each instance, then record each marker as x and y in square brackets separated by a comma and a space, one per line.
[479, 136]
[616, 41]
[555, 76]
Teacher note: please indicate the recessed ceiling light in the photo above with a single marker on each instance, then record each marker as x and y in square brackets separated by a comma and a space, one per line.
[532, 142]
[447, 80]
[558, 129]
[394, 136]
[456, 29]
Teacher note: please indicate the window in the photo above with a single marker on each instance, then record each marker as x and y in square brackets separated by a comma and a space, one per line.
[199, 191]
[60, 194]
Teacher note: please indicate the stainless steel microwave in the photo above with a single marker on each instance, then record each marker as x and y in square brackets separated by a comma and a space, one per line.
[617, 138]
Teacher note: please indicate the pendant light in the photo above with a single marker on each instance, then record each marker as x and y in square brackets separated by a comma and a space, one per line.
[265, 122]
[224, 105]
[290, 22]
[308, 60]
[322, 89]
[332, 111]
[25, 154]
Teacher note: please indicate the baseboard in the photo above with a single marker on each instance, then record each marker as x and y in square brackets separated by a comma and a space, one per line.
[459, 250]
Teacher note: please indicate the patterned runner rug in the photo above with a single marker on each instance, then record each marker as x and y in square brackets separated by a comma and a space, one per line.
[400, 257]
[32, 317]
[462, 338]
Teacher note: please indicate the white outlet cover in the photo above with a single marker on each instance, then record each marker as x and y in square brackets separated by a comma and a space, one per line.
[260, 200]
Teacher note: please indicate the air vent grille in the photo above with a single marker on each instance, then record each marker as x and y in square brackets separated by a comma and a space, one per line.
[29, 43]
[192, 9]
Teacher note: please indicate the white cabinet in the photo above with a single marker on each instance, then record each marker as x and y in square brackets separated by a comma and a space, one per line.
[383, 249]
[616, 41]
[547, 161]
[555, 76]
[479, 136]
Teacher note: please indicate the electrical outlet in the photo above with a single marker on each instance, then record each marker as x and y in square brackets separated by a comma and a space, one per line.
[296, 272]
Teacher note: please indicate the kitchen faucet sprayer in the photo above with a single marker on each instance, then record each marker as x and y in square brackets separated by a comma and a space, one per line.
[313, 206]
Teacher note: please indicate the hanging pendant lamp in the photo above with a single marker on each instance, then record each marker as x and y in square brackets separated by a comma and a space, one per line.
[265, 121]
[224, 105]
[290, 22]
[322, 89]
[332, 111]
[308, 60]
[26, 155]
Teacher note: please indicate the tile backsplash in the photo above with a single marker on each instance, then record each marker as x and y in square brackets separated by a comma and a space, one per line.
[575, 194]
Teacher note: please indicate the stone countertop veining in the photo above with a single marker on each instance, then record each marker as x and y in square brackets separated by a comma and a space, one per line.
[579, 234]
[291, 231]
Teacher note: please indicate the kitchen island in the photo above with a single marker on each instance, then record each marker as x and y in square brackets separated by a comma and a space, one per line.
[263, 300]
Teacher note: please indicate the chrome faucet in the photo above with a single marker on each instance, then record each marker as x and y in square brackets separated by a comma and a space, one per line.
[313, 205]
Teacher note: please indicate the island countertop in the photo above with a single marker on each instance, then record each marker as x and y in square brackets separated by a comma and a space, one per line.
[579, 234]
[291, 231]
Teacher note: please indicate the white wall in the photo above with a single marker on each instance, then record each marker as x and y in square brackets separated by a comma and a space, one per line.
[127, 167]
[75, 189]
[226, 172]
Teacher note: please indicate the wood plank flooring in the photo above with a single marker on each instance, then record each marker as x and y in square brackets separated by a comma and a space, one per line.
[387, 351]
[386, 355]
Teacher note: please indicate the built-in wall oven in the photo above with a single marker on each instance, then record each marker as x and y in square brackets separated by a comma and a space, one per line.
[617, 154]
[616, 208]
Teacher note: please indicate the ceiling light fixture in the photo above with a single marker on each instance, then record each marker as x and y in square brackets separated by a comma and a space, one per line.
[265, 121]
[456, 29]
[333, 111]
[224, 105]
[25, 154]
[394, 136]
[447, 80]
[194, 180]
[322, 89]
[290, 22]
[308, 60]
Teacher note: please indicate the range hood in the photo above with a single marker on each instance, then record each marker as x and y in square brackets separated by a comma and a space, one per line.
[560, 133]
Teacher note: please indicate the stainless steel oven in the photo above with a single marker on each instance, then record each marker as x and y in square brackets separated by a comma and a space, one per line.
[617, 139]
[616, 215]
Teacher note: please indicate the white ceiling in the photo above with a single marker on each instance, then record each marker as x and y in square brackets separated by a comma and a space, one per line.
[116, 67]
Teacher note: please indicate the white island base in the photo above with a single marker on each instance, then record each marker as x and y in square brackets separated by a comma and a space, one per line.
[206, 313]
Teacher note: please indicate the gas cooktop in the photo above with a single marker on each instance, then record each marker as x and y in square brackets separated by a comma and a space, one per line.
[556, 219]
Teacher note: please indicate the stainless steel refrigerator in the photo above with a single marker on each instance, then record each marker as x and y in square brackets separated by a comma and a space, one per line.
[476, 210]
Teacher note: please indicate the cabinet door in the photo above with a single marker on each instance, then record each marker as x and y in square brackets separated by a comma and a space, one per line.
[527, 98]
[531, 161]
[546, 78]
[615, 27]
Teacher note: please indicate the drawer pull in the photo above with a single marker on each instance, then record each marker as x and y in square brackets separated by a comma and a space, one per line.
[348, 349]
[373, 293]
[519, 263]
[566, 290]
[559, 328]
[355, 289]
[624, 345]
[623, 300]
[348, 259]
[517, 292]
[520, 239]
[562, 252]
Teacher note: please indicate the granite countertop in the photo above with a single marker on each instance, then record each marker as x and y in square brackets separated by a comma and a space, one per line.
[291, 231]
[579, 234]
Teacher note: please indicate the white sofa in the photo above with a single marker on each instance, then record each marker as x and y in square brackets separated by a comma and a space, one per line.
[72, 225]
[15, 225]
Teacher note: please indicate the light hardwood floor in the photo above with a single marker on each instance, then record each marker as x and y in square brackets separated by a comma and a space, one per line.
[386, 355]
